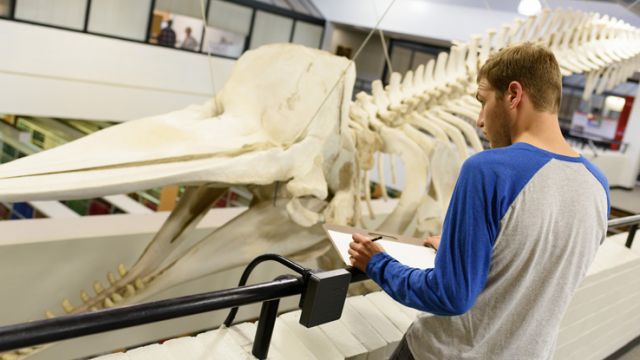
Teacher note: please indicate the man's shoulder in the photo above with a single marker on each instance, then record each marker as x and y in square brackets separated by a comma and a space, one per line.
[492, 160]
[496, 156]
[502, 173]
[597, 173]
[510, 165]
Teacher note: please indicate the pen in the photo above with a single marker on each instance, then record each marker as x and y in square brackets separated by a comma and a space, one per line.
[376, 238]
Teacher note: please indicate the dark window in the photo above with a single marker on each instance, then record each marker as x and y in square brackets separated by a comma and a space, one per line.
[5, 8]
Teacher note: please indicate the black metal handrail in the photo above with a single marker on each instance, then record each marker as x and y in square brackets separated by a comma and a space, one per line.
[70, 326]
[624, 221]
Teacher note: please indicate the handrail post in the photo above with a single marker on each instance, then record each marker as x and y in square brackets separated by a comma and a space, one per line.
[632, 234]
[266, 323]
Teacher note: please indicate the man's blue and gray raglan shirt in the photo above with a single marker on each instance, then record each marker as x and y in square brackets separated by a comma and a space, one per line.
[521, 231]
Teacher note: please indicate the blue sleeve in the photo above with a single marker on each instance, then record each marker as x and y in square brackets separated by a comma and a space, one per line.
[464, 256]
[602, 179]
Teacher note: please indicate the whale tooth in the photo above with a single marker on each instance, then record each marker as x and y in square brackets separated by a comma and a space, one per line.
[111, 278]
[66, 305]
[139, 284]
[49, 314]
[122, 270]
[84, 296]
[97, 287]
[108, 303]
[129, 291]
[116, 298]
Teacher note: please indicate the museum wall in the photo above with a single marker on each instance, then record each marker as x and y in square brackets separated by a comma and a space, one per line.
[59, 73]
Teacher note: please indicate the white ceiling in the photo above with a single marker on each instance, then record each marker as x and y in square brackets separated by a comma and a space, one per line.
[618, 9]
[419, 18]
[448, 20]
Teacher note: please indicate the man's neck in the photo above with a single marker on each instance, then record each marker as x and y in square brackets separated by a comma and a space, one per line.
[542, 130]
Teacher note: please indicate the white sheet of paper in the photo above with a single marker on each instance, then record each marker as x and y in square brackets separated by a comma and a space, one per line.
[411, 255]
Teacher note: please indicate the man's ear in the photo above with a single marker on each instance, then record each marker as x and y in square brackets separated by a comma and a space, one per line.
[514, 94]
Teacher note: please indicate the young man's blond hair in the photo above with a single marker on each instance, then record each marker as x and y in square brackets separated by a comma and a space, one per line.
[533, 66]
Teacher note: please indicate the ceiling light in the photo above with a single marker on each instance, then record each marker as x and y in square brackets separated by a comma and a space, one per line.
[529, 7]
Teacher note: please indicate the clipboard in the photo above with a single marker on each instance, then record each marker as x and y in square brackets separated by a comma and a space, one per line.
[407, 250]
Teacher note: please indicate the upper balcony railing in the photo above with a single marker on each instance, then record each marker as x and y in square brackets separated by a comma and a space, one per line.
[224, 28]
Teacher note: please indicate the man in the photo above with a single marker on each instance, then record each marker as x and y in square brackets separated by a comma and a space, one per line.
[189, 42]
[167, 36]
[523, 227]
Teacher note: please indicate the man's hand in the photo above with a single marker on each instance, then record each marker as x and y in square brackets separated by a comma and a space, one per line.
[361, 249]
[432, 242]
